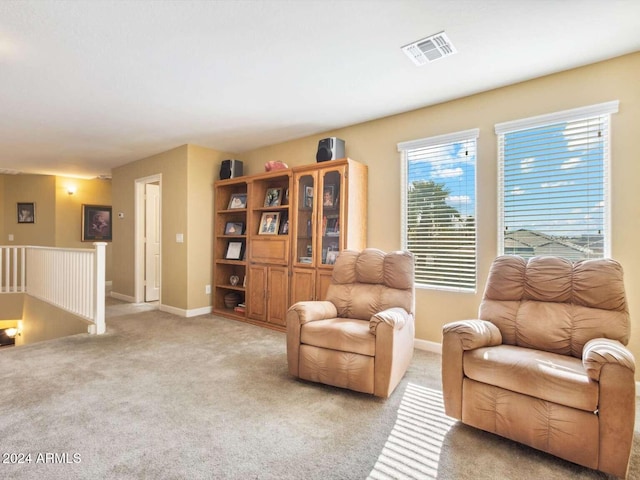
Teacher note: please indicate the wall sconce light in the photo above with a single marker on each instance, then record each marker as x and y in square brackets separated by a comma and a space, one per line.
[71, 189]
[11, 332]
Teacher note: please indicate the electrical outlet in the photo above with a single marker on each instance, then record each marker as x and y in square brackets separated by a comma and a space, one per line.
[207, 289]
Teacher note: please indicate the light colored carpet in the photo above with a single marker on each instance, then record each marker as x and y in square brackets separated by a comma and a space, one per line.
[163, 397]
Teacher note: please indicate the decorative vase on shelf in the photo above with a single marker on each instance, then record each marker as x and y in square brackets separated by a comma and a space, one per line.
[231, 299]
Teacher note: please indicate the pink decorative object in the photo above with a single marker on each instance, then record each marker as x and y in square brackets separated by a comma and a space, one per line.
[275, 165]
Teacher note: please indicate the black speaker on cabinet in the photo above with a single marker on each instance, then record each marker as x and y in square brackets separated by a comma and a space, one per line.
[330, 149]
[230, 169]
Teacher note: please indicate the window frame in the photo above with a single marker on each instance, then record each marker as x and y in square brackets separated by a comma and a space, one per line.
[439, 140]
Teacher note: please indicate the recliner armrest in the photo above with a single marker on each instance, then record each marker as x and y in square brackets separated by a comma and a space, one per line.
[474, 333]
[310, 311]
[395, 317]
[599, 352]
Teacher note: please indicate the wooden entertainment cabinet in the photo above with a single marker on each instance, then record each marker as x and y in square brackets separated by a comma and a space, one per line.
[317, 210]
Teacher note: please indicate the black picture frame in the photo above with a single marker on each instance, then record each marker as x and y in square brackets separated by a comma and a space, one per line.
[284, 225]
[235, 250]
[26, 212]
[233, 228]
[96, 223]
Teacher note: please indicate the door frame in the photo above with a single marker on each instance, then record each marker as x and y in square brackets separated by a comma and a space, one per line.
[139, 235]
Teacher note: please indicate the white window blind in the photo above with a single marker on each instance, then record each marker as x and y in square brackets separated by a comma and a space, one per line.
[439, 209]
[554, 184]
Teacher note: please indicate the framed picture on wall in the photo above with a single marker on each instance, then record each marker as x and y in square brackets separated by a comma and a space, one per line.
[26, 212]
[96, 223]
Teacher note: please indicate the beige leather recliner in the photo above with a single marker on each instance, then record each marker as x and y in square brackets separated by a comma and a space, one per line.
[545, 363]
[361, 336]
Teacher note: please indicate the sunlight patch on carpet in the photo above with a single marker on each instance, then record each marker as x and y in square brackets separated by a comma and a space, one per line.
[412, 450]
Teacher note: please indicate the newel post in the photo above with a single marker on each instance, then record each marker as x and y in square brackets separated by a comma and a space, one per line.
[100, 272]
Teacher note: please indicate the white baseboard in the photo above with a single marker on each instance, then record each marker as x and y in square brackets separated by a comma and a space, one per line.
[199, 311]
[427, 345]
[185, 313]
[123, 297]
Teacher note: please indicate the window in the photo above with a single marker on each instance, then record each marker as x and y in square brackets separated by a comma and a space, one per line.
[553, 184]
[439, 209]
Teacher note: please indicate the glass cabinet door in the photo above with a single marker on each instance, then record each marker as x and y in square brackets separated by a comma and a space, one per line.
[330, 218]
[304, 235]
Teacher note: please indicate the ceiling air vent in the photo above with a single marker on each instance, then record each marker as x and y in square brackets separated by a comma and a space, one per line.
[429, 49]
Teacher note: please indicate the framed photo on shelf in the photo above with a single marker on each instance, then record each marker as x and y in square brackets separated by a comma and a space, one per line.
[308, 196]
[269, 223]
[26, 212]
[273, 198]
[233, 228]
[237, 200]
[96, 223]
[234, 251]
[329, 196]
[284, 226]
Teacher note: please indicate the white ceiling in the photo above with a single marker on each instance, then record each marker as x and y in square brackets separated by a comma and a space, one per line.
[87, 85]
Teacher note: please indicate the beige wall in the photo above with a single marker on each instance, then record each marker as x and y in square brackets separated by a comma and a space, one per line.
[11, 306]
[374, 143]
[203, 170]
[69, 212]
[188, 173]
[39, 189]
[42, 321]
[58, 214]
[172, 166]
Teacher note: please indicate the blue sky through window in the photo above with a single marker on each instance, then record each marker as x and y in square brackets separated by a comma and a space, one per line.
[452, 165]
[554, 179]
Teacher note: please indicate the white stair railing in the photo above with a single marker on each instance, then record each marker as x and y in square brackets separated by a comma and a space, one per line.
[72, 279]
[12, 272]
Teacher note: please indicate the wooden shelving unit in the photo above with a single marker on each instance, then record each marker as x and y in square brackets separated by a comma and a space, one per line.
[293, 262]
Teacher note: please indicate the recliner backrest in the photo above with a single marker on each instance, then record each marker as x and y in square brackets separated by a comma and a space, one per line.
[553, 304]
[367, 282]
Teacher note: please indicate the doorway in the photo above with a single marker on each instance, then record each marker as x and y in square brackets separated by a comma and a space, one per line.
[148, 234]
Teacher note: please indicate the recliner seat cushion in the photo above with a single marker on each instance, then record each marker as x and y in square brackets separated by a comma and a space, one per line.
[342, 334]
[556, 378]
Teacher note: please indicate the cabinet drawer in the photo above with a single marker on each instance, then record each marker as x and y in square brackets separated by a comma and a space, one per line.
[270, 250]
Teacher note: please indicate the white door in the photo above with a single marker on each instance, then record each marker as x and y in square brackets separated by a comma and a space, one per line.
[152, 243]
